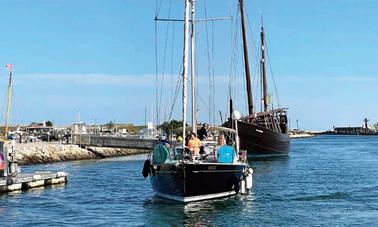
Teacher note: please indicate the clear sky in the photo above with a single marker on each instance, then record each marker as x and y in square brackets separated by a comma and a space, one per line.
[98, 57]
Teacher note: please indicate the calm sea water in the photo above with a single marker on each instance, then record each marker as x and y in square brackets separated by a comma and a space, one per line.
[327, 180]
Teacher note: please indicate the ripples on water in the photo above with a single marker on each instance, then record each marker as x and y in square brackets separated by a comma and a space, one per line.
[326, 180]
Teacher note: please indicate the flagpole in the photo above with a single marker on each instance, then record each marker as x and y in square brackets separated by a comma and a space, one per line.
[8, 100]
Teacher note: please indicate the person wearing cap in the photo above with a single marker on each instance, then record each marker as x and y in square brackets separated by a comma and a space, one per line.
[194, 144]
[202, 133]
[163, 140]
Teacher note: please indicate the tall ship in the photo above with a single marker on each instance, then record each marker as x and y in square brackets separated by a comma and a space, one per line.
[215, 168]
[265, 132]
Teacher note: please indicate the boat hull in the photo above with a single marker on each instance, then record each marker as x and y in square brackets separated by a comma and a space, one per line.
[190, 182]
[258, 140]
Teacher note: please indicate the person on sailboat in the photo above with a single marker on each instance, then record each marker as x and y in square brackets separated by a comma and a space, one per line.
[202, 133]
[224, 153]
[221, 140]
[194, 144]
[164, 141]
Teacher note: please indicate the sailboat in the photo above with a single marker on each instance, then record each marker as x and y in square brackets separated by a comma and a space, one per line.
[222, 170]
[265, 132]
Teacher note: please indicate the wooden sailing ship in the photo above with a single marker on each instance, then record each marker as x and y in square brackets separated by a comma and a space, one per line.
[264, 132]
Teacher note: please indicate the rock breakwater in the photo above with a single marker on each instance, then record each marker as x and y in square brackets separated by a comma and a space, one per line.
[37, 153]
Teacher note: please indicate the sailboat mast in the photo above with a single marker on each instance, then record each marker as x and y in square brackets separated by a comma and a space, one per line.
[193, 42]
[246, 60]
[263, 69]
[185, 69]
[8, 101]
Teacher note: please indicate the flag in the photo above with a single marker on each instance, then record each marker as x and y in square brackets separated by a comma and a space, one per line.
[269, 98]
[9, 67]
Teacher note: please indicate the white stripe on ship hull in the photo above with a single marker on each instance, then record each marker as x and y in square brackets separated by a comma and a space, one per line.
[196, 198]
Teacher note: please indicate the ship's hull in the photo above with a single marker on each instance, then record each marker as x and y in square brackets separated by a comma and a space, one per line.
[258, 140]
[190, 182]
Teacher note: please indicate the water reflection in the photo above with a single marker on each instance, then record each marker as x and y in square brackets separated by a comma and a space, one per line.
[161, 211]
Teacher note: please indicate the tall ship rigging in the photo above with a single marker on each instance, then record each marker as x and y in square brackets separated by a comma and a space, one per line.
[265, 132]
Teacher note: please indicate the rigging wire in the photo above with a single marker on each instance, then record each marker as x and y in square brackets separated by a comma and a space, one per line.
[234, 49]
[256, 56]
[158, 7]
[211, 69]
[274, 80]
[172, 53]
[213, 72]
[177, 90]
[156, 62]
[208, 54]
[164, 58]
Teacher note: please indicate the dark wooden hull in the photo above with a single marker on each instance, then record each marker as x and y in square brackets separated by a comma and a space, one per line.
[258, 140]
[193, 182]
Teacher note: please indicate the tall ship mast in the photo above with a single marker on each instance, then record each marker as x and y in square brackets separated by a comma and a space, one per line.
[265, 132]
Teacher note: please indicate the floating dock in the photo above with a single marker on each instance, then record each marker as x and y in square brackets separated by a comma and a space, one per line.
[11, 178]
[26, 181]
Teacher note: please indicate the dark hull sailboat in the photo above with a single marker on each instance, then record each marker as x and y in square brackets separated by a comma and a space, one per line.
[191, 182]
[265, 132]
[260, 140]
[219, 172]
[198, 170]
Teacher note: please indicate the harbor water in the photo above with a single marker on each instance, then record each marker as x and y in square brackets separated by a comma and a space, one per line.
[326, 180]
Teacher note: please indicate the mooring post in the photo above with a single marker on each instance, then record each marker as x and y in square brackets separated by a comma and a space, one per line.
[10, 161]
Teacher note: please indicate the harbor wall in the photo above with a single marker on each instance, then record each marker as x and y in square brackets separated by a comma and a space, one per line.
[38, 153]
[112, 141]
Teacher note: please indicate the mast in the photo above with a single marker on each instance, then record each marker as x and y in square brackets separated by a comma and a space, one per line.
[246, 60]
[193, 40]
[185, 69]
[9, 67]
[263, 69]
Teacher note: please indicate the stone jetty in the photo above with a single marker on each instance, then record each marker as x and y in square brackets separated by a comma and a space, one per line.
[38, 153]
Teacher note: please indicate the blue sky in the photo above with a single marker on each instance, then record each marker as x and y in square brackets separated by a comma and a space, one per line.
[97, 57]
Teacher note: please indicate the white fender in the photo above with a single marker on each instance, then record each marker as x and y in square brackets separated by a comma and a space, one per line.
[249, 179]
[242, 187]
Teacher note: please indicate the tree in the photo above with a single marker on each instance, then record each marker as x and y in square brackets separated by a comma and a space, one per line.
[110, 125]
[167, 127]
[49, 123]
[375, 127]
